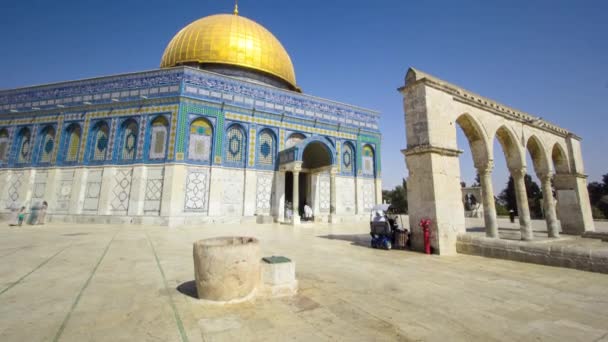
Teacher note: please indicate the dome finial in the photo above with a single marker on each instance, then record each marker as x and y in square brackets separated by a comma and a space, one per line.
[236, 7]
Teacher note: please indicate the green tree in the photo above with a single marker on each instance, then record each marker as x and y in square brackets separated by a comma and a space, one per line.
[397, 197]
[598, 196]
[534, 196]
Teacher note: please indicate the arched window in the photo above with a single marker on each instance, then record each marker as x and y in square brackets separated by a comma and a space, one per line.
[294, 139]
[73, 143]
[129, 140]
[266, 148]
[47, 143]
[24, 145]
[367, 158]
[101, 132]
[348, 159]
[3, 146]
[199, 147]
[235, 145]
[158, 140]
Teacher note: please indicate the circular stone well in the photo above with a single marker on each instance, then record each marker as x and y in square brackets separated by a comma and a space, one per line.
[226, 268]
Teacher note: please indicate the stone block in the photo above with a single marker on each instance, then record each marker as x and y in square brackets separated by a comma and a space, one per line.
[279, 278]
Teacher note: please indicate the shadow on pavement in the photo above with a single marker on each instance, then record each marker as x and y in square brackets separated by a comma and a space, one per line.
[189, 289]
[361, 240]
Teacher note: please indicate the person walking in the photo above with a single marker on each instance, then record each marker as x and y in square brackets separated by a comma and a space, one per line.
[42, 214]
[21, 216]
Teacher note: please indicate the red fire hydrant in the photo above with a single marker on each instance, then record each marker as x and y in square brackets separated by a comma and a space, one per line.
[426, 231]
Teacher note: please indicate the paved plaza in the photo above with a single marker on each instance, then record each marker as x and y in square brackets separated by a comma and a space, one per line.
[62, 282]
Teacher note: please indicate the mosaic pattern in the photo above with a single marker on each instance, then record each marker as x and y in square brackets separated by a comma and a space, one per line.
[25, 148]
[39, 189]
[13, 189]
[368, 195]
[264, 193]
[235, 145]
[266, 148]
[121, 190]
[154, 191]
[252, 144]
[347, 158]
[158, 141]
[196, 189]
[100, 147]
[129, 140]
[142, 136]
[64, 191]
[92, 191]
[324, 192]
[233, 192]
[367, 159]
[73, 147]
[47, 145]
[201, 134]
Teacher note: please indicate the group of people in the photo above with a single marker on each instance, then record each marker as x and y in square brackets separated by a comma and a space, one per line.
[36, 216]
[308, 213]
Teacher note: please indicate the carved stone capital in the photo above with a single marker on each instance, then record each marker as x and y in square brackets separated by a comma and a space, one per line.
[545, 177]
[519, 172]
[486, 168]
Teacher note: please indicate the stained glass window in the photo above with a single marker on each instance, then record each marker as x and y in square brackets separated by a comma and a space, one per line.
[24, 146]
[266, 148]
[158, 140]
[101, 141]
[294, 139]
[3, 146]
[73, 143]
[47, 144]
[129, 140]
[347, 158]
[235, 145]
[199, 147]
[367, 157]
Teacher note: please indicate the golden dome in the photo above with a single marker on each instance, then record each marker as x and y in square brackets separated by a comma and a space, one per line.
[232, 40]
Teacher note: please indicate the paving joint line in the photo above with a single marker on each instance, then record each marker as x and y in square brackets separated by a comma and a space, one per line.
[34, 270]
[178, 320]
[86, 284]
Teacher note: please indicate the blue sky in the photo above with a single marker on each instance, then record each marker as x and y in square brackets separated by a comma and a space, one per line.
[548, 58]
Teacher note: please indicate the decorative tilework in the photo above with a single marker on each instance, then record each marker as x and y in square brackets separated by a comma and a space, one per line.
[324, 192]
[281, 139]
[154, 191]
[294, 139]
[100, 145]
[25, 145]
[197, 189]
[140, 146]
[235, 145]
[264, 193]
[129, 140]
[158, 140]
[4, 145]
[251, 153]
[73, 143]
[348, 158]
[64, 191]
[92, 191]
[16, 179]
[121, 190]
[367, 158]
[266, 148]
[58, 139]
[201, 134]
[47, 145]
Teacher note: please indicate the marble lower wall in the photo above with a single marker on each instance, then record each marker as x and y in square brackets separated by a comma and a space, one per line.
[175, 194]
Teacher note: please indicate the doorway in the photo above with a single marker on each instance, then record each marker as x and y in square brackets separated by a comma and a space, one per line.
[303, 189]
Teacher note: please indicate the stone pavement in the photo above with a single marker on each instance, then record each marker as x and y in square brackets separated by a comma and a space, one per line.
[132, 283]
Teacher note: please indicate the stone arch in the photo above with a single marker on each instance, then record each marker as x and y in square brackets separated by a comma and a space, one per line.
[537, 150]
[368, 160]
[316, 153]
[477, 141]
[509, 142]
[560, 159]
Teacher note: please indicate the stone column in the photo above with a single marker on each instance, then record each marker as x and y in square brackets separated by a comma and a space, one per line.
[279, 197]
[296, 197]
[523, 210]
[549, 205]
[573, 204]
[487, 193]
[332, 195]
